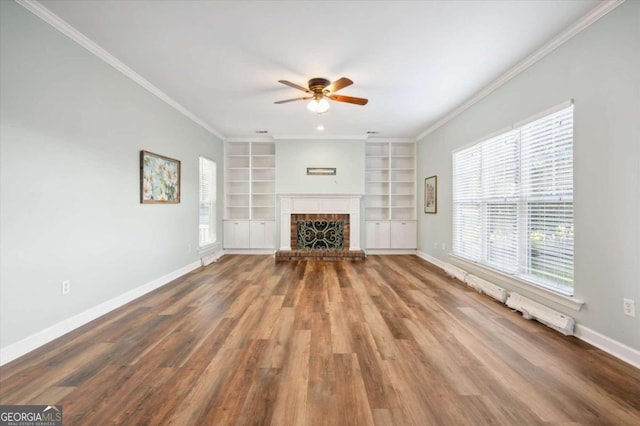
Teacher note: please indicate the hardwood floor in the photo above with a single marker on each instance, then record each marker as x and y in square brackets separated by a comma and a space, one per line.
[390, 340]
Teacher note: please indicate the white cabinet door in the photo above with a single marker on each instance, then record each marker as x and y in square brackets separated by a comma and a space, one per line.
[404, 234]
[236, 234]
[378, 234]
[261, 234]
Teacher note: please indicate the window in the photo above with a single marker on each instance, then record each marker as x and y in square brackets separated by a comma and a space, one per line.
[513, 201]
[207, 210]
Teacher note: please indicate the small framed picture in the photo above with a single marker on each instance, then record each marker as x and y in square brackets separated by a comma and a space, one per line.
[321, 171]
[159, 179]
[431, 194]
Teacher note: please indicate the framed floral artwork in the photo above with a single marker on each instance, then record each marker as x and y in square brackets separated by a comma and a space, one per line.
[431, 194]
[159, 179]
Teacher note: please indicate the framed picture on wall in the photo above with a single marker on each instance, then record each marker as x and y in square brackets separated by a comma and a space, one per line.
[159, 179]
[431, 194]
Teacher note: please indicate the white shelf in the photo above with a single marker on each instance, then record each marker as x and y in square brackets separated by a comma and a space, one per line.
[250, 180]
[390, 180]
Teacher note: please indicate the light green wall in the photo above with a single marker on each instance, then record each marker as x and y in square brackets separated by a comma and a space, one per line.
[71, 131]
[294, 156]
[600, 70]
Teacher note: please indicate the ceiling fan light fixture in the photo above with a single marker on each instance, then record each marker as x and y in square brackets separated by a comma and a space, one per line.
[320, 91]
[318, 106]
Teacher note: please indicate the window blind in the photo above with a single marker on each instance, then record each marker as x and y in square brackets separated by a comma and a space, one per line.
[207, 209]
[513, 201]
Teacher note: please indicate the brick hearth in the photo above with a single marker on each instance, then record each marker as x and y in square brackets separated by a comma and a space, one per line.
[327, 255]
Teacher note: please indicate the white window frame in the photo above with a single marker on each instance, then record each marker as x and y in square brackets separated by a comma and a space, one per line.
[521, 257]
[207, 233]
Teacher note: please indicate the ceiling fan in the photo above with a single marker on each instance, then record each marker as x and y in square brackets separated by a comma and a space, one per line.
[321, 89]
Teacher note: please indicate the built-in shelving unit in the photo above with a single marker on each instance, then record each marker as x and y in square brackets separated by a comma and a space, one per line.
[250, 184]
[390, 202]
[237, 180]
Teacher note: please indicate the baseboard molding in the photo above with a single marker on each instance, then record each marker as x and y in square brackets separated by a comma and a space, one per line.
[600, 341]
[389, 251]
[607, 344]
[424, 256]
[40, 338]
[249, 251]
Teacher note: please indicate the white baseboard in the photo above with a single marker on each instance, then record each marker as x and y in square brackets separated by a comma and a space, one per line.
[607, 344]
[249, 251]
[22, 347]
[389, 251]
[430, 259]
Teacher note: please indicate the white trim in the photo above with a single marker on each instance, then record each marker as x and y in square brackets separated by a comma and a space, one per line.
[391, 140]
[28, 344]
[592, 16]
[318, 137]
[430, 259]
[250, 139]
[482, 139]
[389, 251]
[321, 195]
[517, 125]
[546, 294]
[65, 28]
[548, 111]
[318, 204]
[249, 251]
[607, 344]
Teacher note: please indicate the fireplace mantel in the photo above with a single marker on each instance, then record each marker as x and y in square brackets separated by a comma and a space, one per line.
[319, 204]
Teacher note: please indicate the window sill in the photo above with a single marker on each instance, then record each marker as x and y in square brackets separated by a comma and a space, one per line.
[547, 294]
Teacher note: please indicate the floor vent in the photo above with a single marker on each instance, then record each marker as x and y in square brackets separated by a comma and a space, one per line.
[534, 310]
[490, 289]
[455, 272]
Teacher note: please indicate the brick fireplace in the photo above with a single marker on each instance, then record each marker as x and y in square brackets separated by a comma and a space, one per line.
[321, 217]
[312, 207]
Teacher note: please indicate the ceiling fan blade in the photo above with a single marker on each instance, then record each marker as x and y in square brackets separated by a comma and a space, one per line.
[349, 99]
[294, 99]
[295, 86]
[340, 83]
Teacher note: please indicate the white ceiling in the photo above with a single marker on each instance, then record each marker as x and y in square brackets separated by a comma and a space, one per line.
[415, 60]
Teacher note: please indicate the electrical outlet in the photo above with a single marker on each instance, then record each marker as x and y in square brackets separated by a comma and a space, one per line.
[188, 248]
[629, 307]
[66, 287]
[435, 245]
[444, 246]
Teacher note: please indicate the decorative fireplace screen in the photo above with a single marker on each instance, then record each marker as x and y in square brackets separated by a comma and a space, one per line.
[320, 235]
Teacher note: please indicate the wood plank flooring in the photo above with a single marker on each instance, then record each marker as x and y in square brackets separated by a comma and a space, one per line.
[387, 341]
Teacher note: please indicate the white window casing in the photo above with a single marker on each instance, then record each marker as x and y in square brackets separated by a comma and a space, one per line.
[513, 201]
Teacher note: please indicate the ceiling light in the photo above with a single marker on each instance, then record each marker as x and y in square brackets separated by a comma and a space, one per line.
[320, 127]
[318, 106]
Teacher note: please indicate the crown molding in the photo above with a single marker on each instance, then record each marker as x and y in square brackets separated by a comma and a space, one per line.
[65, 28]
[249, 139]
[592, 16]
[381, 139]
[318, 137]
